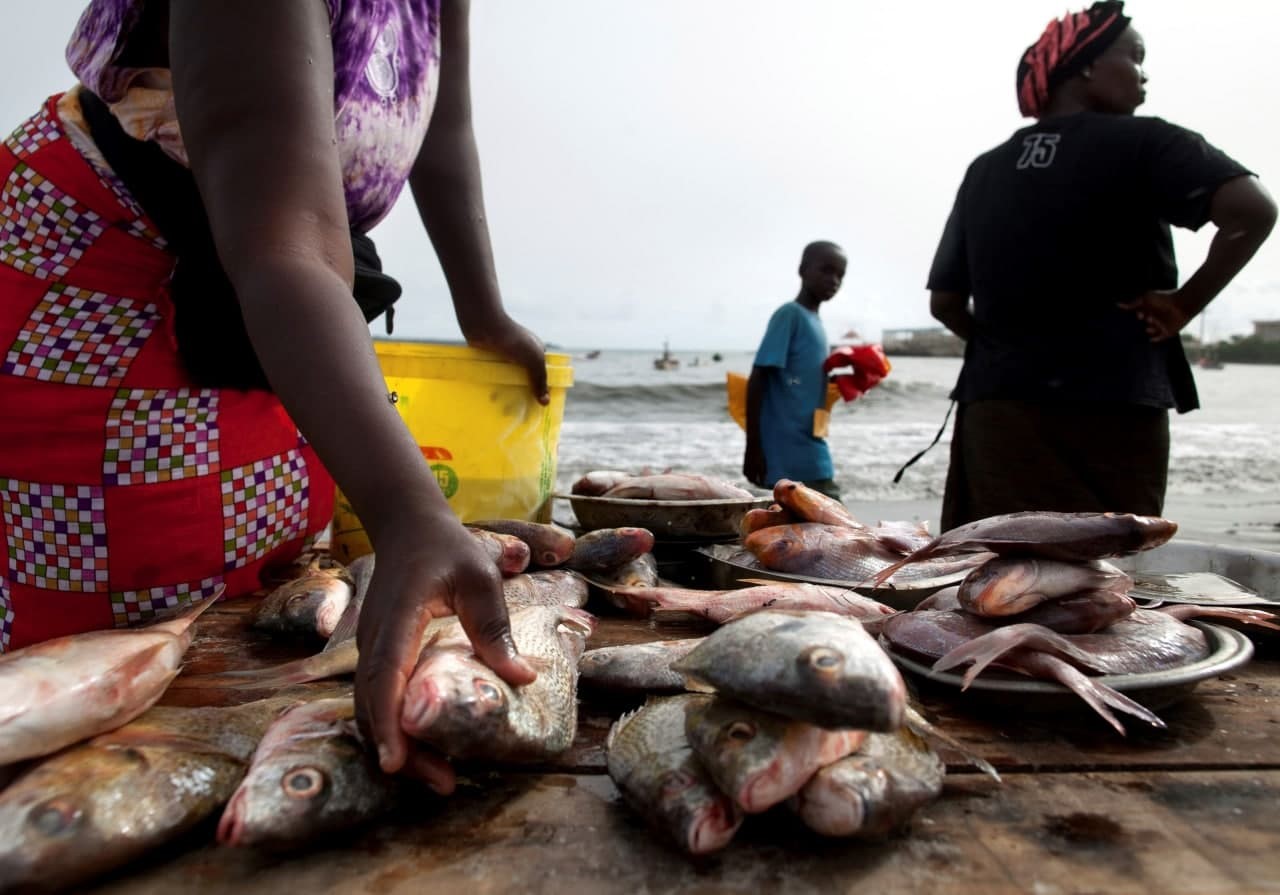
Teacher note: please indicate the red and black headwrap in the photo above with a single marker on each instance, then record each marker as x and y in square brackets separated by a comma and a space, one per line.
[1067, 46]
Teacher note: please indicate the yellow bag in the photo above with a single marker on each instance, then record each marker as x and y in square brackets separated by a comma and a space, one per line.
[736, 386]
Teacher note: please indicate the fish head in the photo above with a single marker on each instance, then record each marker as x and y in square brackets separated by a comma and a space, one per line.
[742, 749]
[701, 818]
[56, 821]
[453, 689]
[842, 799]
[775, 545]
[867, 680]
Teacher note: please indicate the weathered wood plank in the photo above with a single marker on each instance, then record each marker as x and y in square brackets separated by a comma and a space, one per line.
[1186, 832]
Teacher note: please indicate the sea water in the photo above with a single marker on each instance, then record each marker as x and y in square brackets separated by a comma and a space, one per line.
[624, 414]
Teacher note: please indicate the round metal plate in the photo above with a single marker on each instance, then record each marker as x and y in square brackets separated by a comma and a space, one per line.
[687, 520]
[1228, 649]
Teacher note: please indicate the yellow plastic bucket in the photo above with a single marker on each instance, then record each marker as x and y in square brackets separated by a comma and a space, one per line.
[491, 446]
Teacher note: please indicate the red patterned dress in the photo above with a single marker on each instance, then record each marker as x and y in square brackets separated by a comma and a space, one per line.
[124, 490]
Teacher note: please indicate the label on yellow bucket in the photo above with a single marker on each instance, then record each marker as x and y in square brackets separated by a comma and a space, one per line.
[490, 445]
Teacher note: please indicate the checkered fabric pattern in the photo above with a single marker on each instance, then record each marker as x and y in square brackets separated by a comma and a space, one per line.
[78, 337]
[158, 436]
[134, 606]
[262, 506]
[57, 535]
[33, 133]
[43, 231]
[125, 490]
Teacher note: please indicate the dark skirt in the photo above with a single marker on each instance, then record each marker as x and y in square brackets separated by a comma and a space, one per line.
[1008, 456]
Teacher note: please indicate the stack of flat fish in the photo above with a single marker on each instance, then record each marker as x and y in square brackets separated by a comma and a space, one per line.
[801, 708]
[807, 533]
[1049, 606]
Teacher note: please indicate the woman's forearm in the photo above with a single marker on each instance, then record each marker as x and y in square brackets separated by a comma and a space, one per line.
[1244, 215]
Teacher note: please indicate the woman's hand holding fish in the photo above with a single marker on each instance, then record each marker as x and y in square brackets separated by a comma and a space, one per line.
[422, 574]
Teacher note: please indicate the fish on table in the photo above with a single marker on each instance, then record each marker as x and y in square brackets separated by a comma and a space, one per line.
[461, 706]
[873, 791]
[723, 606]
[649, 759]
[124, 794]
[1064, 536]
[65, 690]
[309, 777]
[636, 667]
[310, 604]
[549, 545]
[816, 667]
[608, 548]
[1080, 613]
[809, 505]
[673, 486]
[1010, 585]
[759, 758]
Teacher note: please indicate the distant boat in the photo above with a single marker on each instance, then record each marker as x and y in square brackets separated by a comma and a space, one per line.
[667, 361]
[591, 355]
[1205, 362]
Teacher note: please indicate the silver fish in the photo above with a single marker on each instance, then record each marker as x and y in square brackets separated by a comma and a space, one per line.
[723, 606]
[675, 486]
[310, 776]
[1065, 536]
[636, 666]
[65, 690]
[652, 764]
[759, 758]
[310, 604]
[462, 707]
[816, 667]
[1009, 585]
[640, 572]
[1081, 613]
[124, 794]
[874, 791]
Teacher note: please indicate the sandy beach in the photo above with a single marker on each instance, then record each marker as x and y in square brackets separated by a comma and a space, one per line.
[1248, 521]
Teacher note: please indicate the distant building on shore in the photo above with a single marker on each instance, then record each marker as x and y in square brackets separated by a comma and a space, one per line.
[1267, 330]
[930, 341]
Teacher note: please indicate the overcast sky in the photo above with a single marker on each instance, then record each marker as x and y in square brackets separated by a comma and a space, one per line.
[653, 169]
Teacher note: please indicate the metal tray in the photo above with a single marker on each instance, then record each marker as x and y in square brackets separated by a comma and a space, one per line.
[695, 521]
[731, 566]
[1228, 649]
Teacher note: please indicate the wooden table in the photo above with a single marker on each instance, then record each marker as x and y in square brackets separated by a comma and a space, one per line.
[1194, 808]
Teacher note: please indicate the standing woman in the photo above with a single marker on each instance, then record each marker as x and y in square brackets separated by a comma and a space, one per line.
[1061, 238]
[182, 363]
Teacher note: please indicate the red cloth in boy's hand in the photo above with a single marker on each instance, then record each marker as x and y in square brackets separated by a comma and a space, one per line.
[857, 369]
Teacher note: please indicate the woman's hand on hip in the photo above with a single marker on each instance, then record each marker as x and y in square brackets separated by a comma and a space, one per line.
[1161, 311]
[428, 573]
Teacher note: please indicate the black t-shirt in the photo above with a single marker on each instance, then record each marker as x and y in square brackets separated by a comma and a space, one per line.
[1055, 227]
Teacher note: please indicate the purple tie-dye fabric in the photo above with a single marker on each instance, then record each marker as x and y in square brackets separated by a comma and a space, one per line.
[386, 59]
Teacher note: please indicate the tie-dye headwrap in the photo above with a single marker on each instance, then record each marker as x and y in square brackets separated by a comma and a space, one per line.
[1067, 45]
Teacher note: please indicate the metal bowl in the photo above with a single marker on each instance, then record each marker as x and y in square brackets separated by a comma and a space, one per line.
[1228, 649]
[687, 520]
[731, 566]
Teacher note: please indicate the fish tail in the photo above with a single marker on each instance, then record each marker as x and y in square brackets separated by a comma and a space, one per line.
[1098, 695]
[180, 622]
[1259, 617]
[881, 577]
[921, 727]
[301, 671]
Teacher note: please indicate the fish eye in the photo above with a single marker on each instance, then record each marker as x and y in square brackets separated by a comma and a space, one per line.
[740, 731]
[674, 782]
[303, 783]
[822, 659]
[488, 692]
[54, 817]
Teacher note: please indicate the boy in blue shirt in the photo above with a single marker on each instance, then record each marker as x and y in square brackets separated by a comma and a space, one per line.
[788, 386]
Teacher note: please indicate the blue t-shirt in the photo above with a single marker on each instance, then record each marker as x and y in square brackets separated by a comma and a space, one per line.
[793, 349]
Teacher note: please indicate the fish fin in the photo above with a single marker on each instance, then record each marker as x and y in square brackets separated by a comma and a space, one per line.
[1258, 617]
[989, 647]
[694, 684]
[346, 627]
[616, 727]
[360, 573]
[313, 668]
[183, 619]
[1097, 694]
[922, 728]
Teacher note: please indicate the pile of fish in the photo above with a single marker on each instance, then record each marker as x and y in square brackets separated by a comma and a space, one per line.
[656, 486]
[1047, 605]
[801, 708]
[807, 533]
